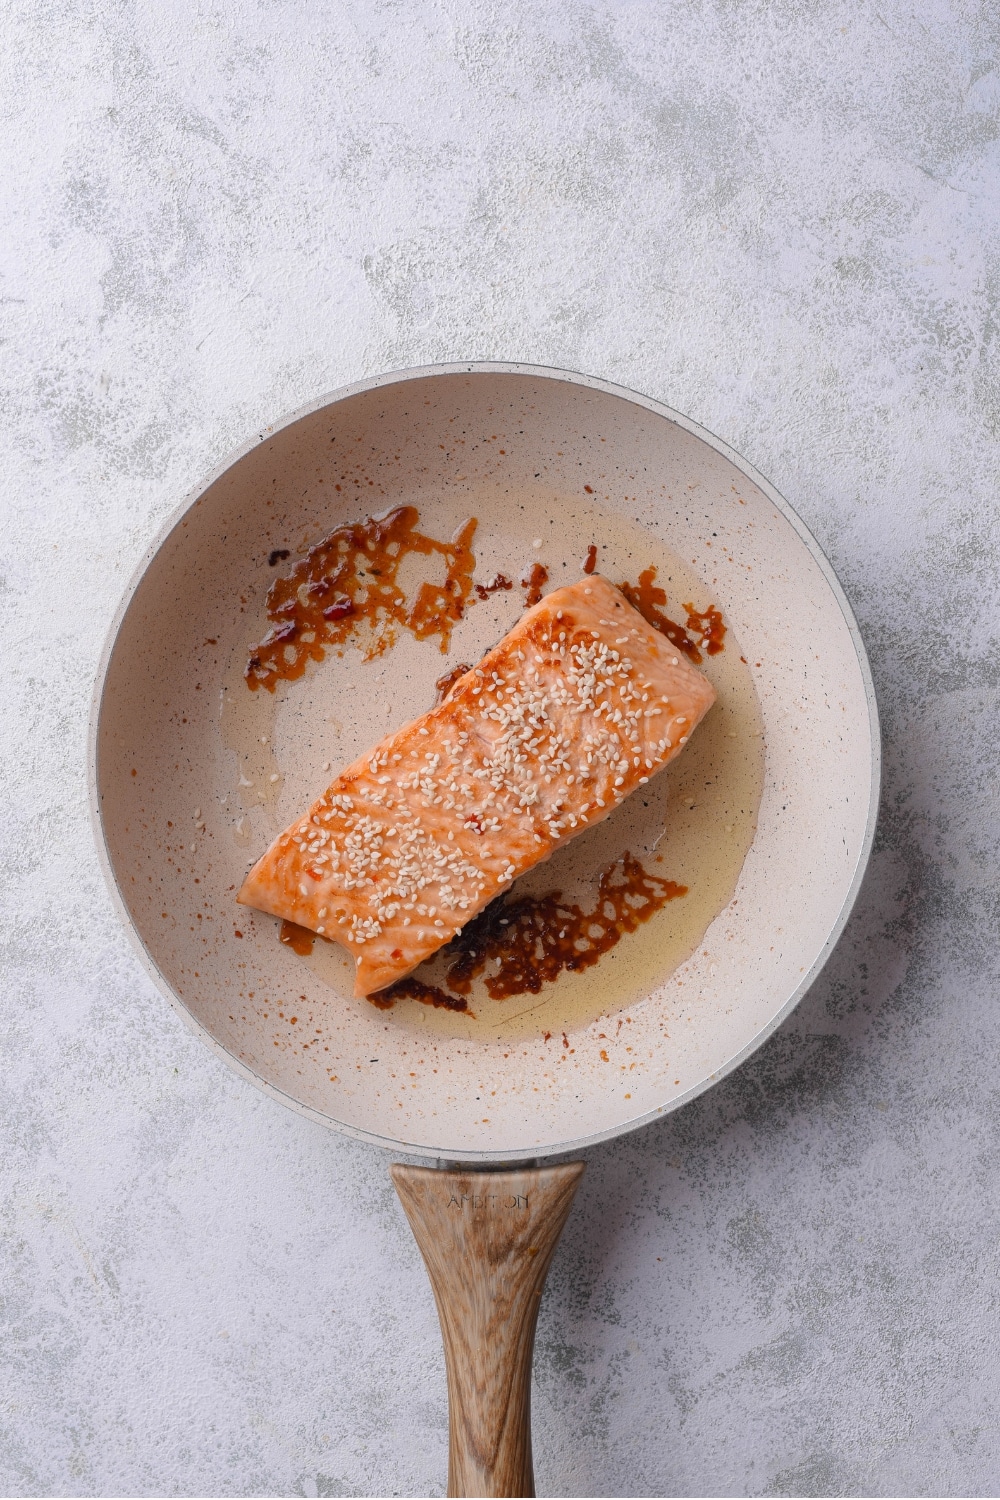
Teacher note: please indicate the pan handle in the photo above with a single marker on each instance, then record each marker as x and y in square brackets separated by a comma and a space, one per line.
[487, 1239]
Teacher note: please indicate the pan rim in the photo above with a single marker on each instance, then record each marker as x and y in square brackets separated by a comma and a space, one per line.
[474, 367]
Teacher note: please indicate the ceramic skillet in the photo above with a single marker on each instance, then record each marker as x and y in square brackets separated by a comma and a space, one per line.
[189, 781]
[175, 653]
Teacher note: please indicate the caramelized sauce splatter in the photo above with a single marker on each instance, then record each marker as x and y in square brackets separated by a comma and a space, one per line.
[703, 630]
[709, 626]
[591, 559]
[649, 600]
[501, 581]
[299, 939]
[536, 938]
[415, 989]
[445, 684]
[525, 942]
[534, 583]
[350, 578]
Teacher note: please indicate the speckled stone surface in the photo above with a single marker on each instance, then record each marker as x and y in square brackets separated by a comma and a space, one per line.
[781, 219]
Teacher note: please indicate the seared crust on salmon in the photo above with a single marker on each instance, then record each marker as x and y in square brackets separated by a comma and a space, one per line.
[577, 706]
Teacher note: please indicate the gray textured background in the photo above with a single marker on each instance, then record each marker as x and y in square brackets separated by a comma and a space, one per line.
[780, 218]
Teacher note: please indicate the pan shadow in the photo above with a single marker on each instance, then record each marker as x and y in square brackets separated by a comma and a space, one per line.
[654, 1207]
[839, 1027]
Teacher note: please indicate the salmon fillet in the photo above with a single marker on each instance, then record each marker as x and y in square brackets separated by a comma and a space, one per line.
[577, 706]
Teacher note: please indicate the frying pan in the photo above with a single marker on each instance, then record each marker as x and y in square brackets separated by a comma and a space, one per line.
[191, 775]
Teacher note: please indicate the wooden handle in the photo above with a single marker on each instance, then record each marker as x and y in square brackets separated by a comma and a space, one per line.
[487, 1239]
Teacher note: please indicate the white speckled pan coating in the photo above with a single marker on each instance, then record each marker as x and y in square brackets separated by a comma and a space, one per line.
[181, 627]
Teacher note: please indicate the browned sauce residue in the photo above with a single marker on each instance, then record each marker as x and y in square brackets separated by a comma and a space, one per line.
[703, 629]
[528, 941]
[536, 937]
[412, 988]
[534, 583]
[349, 578]
[708, 624]
[591, 561]
[445, 684]
[299, 939]
[501, 581]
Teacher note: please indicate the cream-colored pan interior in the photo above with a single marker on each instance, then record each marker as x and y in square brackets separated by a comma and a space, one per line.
[192, 774]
